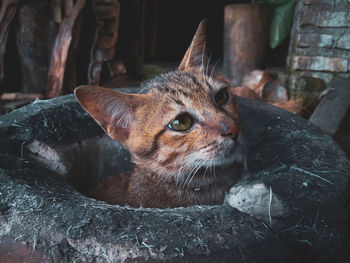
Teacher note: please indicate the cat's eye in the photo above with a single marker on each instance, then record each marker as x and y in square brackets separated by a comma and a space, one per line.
[221, 97]
[181, 123]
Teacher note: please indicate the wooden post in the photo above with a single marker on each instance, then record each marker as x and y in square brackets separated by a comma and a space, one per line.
[246, 31]
[60, 50]
[7, 12]
[106, 36]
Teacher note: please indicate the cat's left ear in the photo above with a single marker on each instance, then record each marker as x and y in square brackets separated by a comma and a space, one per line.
[196, 55]
[114, 111]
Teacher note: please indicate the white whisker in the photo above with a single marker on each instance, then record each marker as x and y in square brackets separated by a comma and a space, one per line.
[202, 66]
[208, 63]
[189, 176]
[212, 70]
[199, 165]
[205, 171]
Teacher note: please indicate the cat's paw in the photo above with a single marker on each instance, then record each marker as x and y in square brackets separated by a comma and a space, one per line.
[257, 199]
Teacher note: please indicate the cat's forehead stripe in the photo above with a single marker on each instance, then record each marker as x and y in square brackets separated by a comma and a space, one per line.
[179, 102]
[183, 82]
[193, 79]
[180, 86]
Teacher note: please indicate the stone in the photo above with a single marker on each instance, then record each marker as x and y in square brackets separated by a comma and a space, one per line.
[332, 19]
[318, 2]
[306, 17]
[341, 4]
[318, 63]
[319, 43]
[314, 39]
[303, 195]
[344, 41]
[323, 18]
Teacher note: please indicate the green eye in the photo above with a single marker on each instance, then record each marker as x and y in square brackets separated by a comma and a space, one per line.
[221, 97]
[181, 123]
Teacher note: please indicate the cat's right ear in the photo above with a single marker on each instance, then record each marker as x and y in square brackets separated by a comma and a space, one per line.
[196, 55]
[114, 111]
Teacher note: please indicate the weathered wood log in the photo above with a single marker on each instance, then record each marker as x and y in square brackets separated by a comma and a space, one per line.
[70, 74]
[60, 50]
[7, 12]
[33, 45]
[246, 30]
[14, 100]
[116, 67]
[20, 96]
[333, 107]
[106, 35]
[68, 7]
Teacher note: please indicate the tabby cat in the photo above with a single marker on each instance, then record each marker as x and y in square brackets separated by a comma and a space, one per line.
[182, 135]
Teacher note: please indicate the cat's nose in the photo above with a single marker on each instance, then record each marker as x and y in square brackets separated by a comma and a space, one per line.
[229, 129]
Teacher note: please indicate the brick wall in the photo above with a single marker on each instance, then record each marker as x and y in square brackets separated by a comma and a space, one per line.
[320, 45]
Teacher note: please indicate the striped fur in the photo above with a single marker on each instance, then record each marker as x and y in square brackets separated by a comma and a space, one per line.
[173, 168]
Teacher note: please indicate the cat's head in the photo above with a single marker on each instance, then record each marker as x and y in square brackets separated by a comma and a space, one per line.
[186, 122]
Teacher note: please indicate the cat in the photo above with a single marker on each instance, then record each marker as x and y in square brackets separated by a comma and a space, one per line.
[183, 135]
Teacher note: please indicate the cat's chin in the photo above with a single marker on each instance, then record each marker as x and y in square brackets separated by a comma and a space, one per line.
[224, 162]
[226, 172]
[229, 156]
